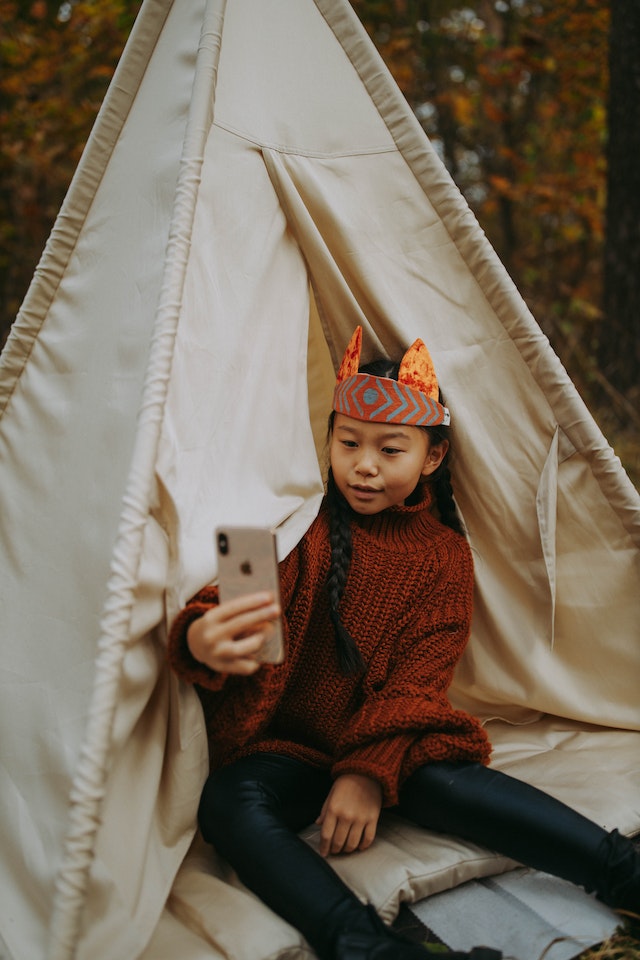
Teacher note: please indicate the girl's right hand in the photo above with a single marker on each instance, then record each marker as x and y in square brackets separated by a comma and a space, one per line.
[228, 637]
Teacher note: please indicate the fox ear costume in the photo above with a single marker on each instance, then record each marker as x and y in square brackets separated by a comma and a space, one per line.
[411, 400]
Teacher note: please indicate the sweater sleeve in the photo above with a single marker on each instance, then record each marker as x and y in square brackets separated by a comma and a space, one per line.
[409, 721]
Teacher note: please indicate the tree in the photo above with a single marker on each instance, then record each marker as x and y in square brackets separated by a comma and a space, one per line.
[619, 344]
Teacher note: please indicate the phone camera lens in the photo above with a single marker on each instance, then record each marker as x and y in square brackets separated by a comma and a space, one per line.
[223, 544]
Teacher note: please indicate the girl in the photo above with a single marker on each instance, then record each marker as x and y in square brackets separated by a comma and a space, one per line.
[376, 603]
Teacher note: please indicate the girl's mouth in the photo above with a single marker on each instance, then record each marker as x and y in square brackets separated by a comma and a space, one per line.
[364, 491]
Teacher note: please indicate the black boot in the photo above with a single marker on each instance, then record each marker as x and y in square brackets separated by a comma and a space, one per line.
[368, 938]
[619, 887]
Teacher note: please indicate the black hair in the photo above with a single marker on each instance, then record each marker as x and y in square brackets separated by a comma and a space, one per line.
[349, 656]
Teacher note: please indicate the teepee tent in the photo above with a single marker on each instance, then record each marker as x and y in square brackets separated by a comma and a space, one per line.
[254, 187]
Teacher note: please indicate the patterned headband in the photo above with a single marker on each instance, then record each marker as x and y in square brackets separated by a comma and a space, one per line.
[412, 399]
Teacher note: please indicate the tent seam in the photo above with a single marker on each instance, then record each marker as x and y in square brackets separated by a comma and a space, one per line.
[295, 152]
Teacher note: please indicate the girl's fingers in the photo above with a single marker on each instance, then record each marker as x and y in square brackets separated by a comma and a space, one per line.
[220, 623]
[353, 840]
[238, 656]
[238, 649]
[349, 815]
[340, 837]
[368, 835]
[328, 824]
[229, 635]
[241, 605]
[337, 834]
[243, 668]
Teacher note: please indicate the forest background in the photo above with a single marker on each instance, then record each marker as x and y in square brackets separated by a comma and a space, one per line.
[533, 105]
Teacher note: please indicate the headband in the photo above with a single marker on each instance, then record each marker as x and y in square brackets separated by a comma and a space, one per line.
[412, 399]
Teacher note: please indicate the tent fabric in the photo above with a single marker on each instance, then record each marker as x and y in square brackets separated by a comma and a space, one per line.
[255, 185]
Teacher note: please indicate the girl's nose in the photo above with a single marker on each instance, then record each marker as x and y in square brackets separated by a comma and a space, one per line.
[367, 466]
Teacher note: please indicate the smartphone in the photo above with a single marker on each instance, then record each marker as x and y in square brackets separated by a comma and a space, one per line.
[248, 563]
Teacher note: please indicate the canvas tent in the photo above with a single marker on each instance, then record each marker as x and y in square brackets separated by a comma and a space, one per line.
[255, 185]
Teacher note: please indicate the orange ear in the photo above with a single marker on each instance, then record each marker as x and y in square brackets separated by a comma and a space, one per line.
[351, 358]
[417, 370]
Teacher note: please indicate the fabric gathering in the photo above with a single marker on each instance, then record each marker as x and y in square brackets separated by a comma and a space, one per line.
[245, 203]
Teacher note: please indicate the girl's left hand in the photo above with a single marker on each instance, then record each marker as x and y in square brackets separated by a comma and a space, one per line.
[349, 816]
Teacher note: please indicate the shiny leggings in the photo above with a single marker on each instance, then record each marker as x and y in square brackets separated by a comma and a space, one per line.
[252, 810]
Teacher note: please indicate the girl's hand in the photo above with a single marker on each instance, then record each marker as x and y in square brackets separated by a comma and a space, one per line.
[349, 816]
[228, 637]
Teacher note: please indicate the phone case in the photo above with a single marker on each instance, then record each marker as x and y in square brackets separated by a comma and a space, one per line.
[248, 563]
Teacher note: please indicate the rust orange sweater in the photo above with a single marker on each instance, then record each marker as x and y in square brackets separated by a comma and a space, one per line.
[407, 603]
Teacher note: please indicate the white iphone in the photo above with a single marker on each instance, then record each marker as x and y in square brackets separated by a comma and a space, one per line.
[248, 563]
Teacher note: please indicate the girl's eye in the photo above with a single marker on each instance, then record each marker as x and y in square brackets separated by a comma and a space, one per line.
[349, 443]
[391, 450]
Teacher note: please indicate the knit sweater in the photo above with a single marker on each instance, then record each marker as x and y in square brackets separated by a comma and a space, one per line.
[407, 603]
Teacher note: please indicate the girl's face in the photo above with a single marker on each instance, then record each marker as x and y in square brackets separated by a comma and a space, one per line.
[378, 465]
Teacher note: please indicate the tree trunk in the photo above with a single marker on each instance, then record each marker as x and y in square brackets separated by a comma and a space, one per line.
[619, 340]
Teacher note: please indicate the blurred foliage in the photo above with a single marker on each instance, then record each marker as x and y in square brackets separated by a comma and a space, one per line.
[512, 93]
[56, 61]
[619, 352]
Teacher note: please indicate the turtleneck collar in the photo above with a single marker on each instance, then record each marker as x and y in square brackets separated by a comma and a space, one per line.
[403, 525]
[423, 500]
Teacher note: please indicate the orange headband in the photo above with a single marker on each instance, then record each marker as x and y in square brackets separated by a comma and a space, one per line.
[412, 399]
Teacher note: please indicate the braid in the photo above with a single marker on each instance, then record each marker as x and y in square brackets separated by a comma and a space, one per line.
[445, 503]
[441, 479]
[349, 656]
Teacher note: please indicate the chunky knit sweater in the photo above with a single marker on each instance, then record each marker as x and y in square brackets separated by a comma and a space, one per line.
[407, 603]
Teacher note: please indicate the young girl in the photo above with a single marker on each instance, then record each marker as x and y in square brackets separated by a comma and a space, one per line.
[376, 604]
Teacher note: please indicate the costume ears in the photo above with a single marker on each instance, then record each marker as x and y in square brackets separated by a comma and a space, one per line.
[416, 368]
[351, 358]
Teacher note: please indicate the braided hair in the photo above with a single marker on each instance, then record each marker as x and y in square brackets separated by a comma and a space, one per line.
[349, 656]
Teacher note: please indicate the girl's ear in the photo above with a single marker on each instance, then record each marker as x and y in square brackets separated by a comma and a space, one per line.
[435, 456]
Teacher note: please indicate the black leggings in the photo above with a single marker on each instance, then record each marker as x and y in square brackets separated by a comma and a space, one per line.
[252, 811]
